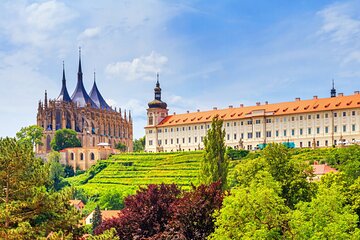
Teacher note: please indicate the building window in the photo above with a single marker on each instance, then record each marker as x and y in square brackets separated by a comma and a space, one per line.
[177, 141]
[159, 130]
[183, 140]
[353, 113]
[277, 133]
[242, 136]
[202, 126]
[326, 129]
[195, 139]
[301, 131]
[202, 139]
[309, 131]
[317, 143]
[249, 135]
[228, 136]
[326, 115]
[183, 129]
[344, 128]
[309, 144]
[166, 130]
[234, 136]
[165, 141]
[292, 118]
[177, 129]
[189, 128]
[318, 116]
[249, 122]
[301, 145]
[318, 130]
[195, 127]
[258, 121]
[284, 119]
[344, 114]
[292, 132]
[268, 133]
[208, 126]
[150, 142]
[258, 134]
[335, 128]
[326, 142]
[159, 142]
[353, 127]
[268, 120]
[92, 156]
[234, 124]
[150, 131]
[228, 124]
[171, 129]
[241, 123]
[285, 132]
[71, 156]
[171, 141]
[189, 139]
[301, 117]
[309, 116]
[81, 156]
[335, 114]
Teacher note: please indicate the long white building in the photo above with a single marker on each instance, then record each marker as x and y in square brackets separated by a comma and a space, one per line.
[316, 122]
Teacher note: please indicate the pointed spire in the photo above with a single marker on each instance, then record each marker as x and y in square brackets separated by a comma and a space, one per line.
[333, 90]
[130, 116]
[64, 95]
[120, 112]
[79, 69]
[97, 98]
[63, 78]
[125, 115]
[46, 100]
[157, 80]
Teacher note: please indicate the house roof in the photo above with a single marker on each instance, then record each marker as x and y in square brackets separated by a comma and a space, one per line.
[75, 202]
[277, 109]
[106, 214]
[321, 169]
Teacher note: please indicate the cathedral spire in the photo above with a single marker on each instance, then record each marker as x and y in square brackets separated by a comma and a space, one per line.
[157, 103]
[46, 100]
[333, 90]
[79, 69]
[64, 95]
[97, 98]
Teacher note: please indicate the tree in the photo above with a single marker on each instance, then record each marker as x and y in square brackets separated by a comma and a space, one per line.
[68, 171]
[65, 138]
[255, 211]
[214, 166]
[327, 216]
[145, 214]
[139, 144]
[112, 200]
[25, 204]
[193, 213]
[122, 147]
[57, 172]
[32, 134]
[97, 218]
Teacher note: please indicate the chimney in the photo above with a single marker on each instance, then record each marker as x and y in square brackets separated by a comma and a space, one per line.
[297, 99]
[241, 105]
[357, 92]
[214, 108]
[340, 94]
[266, 102]
[315, 97]
[198, 110]
[257, 103]
[230, 106]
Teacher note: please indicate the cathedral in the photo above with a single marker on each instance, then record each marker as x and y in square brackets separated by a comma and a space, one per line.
[88, 114]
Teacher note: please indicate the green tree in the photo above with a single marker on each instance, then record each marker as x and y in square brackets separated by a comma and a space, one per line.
[139, 144]
[112, 200]
[97, 218]
[57, 172]
[24, 200]
[32, 134]
[214, 165]
[122, 147]
[327, 216]
[65, 138]
[255, 211]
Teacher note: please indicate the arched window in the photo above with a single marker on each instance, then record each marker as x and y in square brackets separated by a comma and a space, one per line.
[92, 156]
[151, 120]
[71, 156]
[81, 156]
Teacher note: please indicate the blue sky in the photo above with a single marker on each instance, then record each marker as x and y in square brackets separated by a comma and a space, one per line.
[208, 53]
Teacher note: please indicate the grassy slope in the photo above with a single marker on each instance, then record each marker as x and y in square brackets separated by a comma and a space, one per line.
[126, 172]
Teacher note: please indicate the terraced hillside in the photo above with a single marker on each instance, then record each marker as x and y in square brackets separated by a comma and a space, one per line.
[126, 172]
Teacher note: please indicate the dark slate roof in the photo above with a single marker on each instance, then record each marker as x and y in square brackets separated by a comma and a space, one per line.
[95, 95]
[80, 96]
[64, 95]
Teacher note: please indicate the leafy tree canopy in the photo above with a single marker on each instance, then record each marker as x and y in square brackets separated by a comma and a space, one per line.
[32, 134]
[122, 147]
[139, 145]
[65, 138]
[215, 163]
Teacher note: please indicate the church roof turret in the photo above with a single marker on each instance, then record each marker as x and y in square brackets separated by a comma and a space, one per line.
[64, 95]
[95, 95]
[80, 96]
[157, 103]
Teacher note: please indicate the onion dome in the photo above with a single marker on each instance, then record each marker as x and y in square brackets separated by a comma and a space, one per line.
[80, 96]
[64, 95]
[157, 103]
[95, 95]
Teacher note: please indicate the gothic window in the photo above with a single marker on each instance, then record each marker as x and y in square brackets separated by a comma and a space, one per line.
[81, 156]
[92, 156]
[71, 156]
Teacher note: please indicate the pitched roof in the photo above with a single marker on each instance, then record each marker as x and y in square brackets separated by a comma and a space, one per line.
[321, 169]
[106, 214]
[276, 109]
[75, 202]
[95, 95]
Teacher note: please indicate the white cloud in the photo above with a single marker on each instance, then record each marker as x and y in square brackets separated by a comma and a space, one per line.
[90, 32]
[340, 22]
[142, 68]
[136, 107]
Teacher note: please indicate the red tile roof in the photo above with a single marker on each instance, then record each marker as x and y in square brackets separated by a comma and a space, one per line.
[106, 214]
[276, 109]
[321, 169]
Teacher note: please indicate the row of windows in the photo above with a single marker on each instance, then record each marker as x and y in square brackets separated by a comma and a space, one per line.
[72, 156]
[258, 134]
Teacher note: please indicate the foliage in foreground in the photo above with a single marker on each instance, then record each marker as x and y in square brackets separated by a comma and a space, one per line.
[162, 212]
[65, 138]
